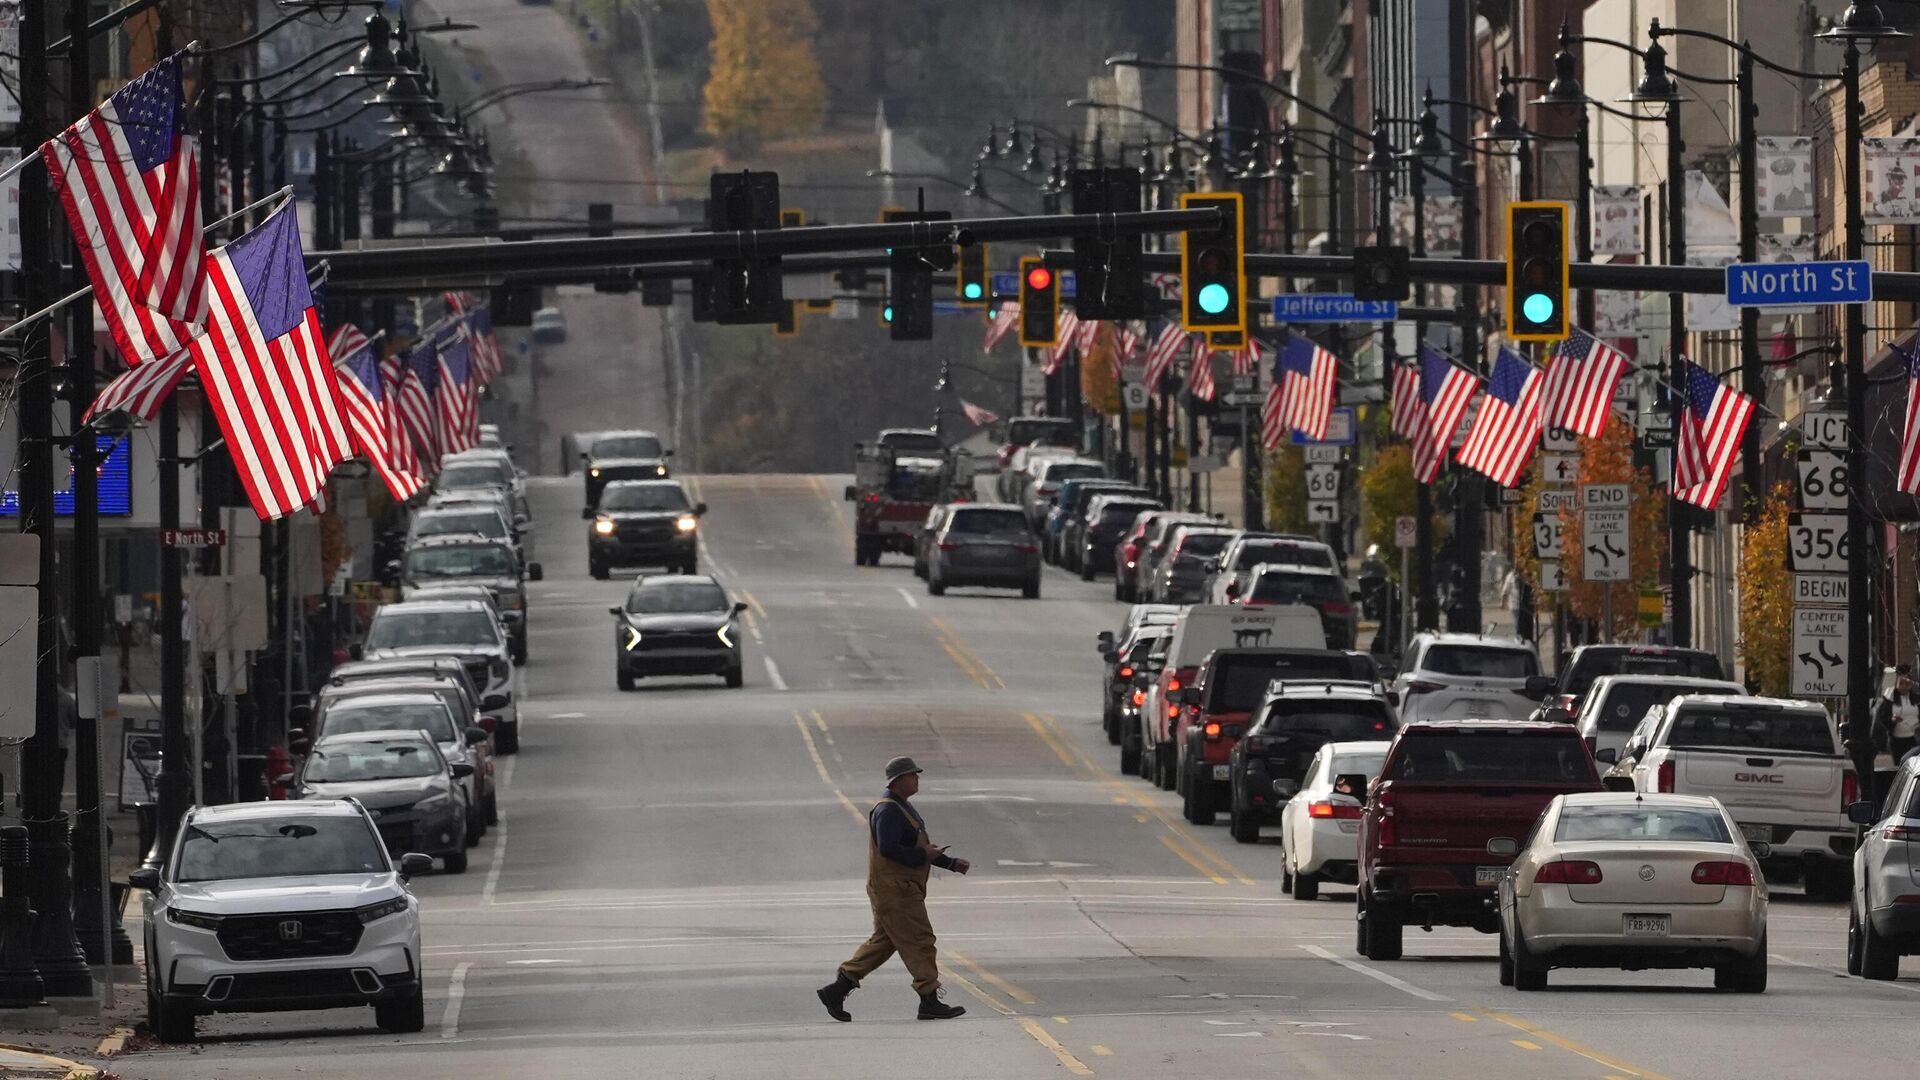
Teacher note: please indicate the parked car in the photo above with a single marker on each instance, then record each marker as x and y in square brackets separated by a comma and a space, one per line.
[460, 628]
[1024, 431]
[1883, 912]
[1123, 662]
[1011, 485]
[1320, 823]
[549, 325]
[1590, 662]
[1632, 881]
[411, 705]
[1037, 497]
[1615, 704]
[279, 906]
[1069, 501]
[1131, 548]
[474, 560]
[1319, 588]
[1293, 719]
[984, 544]
[411, 790]
[1467, 677]
[1181, 573]
[1095, 537]
[1155, 542]
[1229, 572]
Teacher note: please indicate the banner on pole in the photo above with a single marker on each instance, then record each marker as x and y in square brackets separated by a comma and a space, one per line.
[1617, 210]
[1784, 186]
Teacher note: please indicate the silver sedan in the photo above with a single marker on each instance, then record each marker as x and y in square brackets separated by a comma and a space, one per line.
[1617, 880]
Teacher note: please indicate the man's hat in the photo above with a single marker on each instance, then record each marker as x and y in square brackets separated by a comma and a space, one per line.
[900, 767]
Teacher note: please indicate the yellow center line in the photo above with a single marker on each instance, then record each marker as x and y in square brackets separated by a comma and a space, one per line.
[1100, 1051]
[1468, 1017]
[754, 603]
[826, 778]
[1178, 849]
[973, 665]
[993, 980]
[968, 985]
[1524, 1044]
[1572, 1047]
[1032, 1027]
[1040, 1035]
[1046, 736]
[818, 720]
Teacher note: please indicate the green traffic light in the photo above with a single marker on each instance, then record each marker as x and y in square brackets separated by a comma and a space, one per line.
[1214, 298]
[886, 313]
[1537, 307]
[973, 290]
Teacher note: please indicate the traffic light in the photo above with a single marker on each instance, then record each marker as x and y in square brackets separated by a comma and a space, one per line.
[656, 292]
[1213, 268]
[600, 223]
[970, 282]
[1382, 273]
[909, 309]
[1039, 303]
[744, 290]
[1537, 271]
[1110, 282]
[787, 325]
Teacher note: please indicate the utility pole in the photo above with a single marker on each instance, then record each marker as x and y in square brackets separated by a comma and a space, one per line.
[1679, 553]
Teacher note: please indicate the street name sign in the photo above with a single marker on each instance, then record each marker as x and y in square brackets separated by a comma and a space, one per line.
[193, 538]
[1778, 284]
[1604, 536]
[1340, 430]
[1820, 637]
[1332, 308]
[1812, 590]
[1817, 543]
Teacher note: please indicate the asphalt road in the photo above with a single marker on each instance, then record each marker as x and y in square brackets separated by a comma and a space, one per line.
[680, 867]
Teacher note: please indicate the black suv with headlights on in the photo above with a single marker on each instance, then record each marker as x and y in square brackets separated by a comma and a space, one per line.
[643, 523]
[622, 455]
[677, 624]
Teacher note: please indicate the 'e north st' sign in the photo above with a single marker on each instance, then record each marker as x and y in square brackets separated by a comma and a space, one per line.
[1764, 284]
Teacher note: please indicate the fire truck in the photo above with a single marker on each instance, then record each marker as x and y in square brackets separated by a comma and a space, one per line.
[897, 480]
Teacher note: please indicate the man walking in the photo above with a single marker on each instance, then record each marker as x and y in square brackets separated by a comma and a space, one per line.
[1896, 729]
[899, 860]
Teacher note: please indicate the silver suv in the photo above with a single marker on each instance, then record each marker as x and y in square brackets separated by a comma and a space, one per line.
[1883, 917]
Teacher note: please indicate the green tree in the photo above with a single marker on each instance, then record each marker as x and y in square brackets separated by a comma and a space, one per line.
[1286, 483]
[1386, 493]
[764, 79]
[1766, 597]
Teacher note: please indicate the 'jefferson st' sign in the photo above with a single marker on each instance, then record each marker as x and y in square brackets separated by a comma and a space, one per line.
[1764, 284]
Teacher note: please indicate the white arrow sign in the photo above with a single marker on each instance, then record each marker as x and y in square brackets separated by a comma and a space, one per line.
[1820, 638]
[1323, 511]
[1604, 538]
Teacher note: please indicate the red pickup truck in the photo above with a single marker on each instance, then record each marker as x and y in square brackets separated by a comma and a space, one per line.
[1447, 788]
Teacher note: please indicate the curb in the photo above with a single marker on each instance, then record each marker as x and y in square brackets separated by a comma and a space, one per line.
[115, 1043]
[32, 1063]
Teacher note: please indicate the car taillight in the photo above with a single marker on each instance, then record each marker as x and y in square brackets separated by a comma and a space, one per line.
[1126, 673]
[489, 724]
[1904, 833]
[1173, 683]
[1389, 833]
[1337, 607]
[1332, 810]
[1849, 790]
[1139, 698]
[949, 547]
[1569, 872]
[1419, 687]
[1665, 781]
[1173, 712]
[1026, 548]
[1211, 731]
[1722, 873]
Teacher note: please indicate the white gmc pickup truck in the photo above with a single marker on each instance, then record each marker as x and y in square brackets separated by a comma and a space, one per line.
[1777, 765]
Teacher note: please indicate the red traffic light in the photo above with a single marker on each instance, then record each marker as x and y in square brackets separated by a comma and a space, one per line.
[1039, 277]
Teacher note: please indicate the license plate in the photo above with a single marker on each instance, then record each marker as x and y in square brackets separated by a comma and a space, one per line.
[1646, 926]
[1220, 772]
[1759, 834]
[1488, 876]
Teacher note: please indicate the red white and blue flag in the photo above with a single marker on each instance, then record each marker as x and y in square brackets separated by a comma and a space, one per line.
[370, 415]
[1066, 331]
[1580, 382]
[419, 401]
[1406, 400]
[1246, 358]
[1200, 371]
[1507, 428]
[1908, 478]
[459, 397]
[1162, 353]
[1445, 390]
[1713, 420]
[139, 391]
[1305, 377]
[1001, 325]
[976, 415]
[129, 180]
[486, 347]
[263, 366]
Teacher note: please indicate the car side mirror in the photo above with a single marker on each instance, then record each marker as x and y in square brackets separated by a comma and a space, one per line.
[1187, 696]
[666, 453]
[1354, 784]
[475, 735]
[145, 878]
[583, 455]
[1286, 788]
[1863, 812]
[739, 607]
[535, 572]
[1539, 686]
[850, 493]
[284, 778]
[1607, 755]
[356, 651]
[616, 611]
[1503, 845]
[699, 509]
[494, 702]
[1104, 641]
[1233, 589]
[461, 770]
[413, 863]
[586, 513]
[1621, 784]
[393, 566]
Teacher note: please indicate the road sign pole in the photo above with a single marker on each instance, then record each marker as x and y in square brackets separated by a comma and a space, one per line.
[1606, 613]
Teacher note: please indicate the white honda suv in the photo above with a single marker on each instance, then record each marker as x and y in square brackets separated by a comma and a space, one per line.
[277, 906]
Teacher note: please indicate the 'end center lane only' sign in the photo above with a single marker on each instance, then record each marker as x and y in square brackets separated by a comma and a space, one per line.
[1771, 284]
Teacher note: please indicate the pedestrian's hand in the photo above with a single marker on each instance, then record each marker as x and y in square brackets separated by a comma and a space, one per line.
[961, 866]
[932, 852]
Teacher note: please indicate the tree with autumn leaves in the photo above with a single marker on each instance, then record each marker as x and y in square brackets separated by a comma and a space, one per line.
[1766, 597]
[1604, 460]
[764, 80]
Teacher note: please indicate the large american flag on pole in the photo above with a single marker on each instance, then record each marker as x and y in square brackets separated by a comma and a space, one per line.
[129, 181]
[263, 365]
[1713, 419]
[1445, 389]
[1200, 370]
[1908, 477]
[369, 414]
[1508, 427]
[459, 396]
[1273, 413]
[485, 346]
[1406, 400]
[1066, 330]
[419, 401]
[139, 391]
[1580, 383]
[1161, 354]
[1001, 325]
[1305, 376]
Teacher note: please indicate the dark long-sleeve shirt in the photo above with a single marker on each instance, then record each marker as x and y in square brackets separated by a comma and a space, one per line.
[896, 832]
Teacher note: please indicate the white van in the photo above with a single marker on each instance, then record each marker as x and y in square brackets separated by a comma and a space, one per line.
[1201, 629]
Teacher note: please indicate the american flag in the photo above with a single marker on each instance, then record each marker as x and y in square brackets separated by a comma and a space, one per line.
[1304, 376]
[1713, 419]
[1580, 383]
[1125, 341]
[1066, 328]
[1200, 373]
[1508, 427]
[1273, 423]
[346, 341]
[1087, 331]
[1246, 358]
[139, 391]
[459, 394]
[1406, 400]
[1908, 479]
[418, 398]
[486, 347]
[976, 415]
[129, 180]
[1001, 325]
[1161, 354]
[263, 365]
[370, 417]
[1445, 389]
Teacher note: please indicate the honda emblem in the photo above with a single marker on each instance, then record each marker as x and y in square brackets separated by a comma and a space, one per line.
[291, 930]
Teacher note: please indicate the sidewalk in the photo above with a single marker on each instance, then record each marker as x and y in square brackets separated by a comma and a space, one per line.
[20, 1063]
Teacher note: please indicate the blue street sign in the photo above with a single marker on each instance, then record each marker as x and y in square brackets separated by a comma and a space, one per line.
[1765, 284]
[1332, 308]
[1341, 430]
[1006, 284]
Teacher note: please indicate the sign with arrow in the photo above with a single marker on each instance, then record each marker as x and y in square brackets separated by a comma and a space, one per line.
[1820, 638]
[1604, 535]
[1560, 468]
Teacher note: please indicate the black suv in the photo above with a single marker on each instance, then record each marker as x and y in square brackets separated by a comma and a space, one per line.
[676, 624]
[1292, 722]
[622, 455]
[643, 523]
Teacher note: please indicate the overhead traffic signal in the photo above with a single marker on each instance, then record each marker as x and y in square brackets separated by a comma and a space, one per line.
[971, 283]
[1537, 271]
[1110, 283]
[1039, 303]
[1213, 267]
[909, 308]
[743, 290]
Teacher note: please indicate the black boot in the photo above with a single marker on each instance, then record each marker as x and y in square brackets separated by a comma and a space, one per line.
[834, 997]
[932, 1008]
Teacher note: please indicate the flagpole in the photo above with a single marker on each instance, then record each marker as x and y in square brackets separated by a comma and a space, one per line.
[81, 294]
[9, 172]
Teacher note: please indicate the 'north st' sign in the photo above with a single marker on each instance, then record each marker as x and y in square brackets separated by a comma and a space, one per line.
[1765, 284]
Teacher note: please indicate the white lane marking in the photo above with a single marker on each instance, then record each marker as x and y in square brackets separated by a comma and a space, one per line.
[499, 836]
[568, 716]
[1239, 1034]
[1375, 973]
[456, 993]
[1836, 971]
[907, 596]
[773, 673]
[523, 963]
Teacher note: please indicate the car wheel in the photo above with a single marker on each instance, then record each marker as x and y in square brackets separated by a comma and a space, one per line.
[736, 679]
[1878, 959]
[1180, 777]
[936, 588]
[1506, 959]
[1129, 758]
[493, 808]
[1306, 886]
[1031, 590]
[598, 569]
[1853, 940]
[1199, 804]
[1747, 976]
[1086, 568]
[507, 739]
[169, 1023]
[1244, 827]
[691, 566]
[1286, 869]
[519, 652]
[1163, 761]
[623, 678]
[919, 569]
[1380, 932]
[1118, 593]
[475, 829]
[456, 863]
[403, 1017]
[1529, 973]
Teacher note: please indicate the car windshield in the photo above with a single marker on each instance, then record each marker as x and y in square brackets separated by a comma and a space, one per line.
[1642, 823]
[473, 474]
[1113, 515]
[660, 497]
[402, 629]
[428, 715]
[1197, 546]
[1480, 661]
[1594, 663]
[627, 446]
[461, 560]
[1367, 765]
[1483, 757]
[679, 597]
[1285, 587]
[1254, 552]
[985, 522]
[477, 521]
[1237, 683]
[1625, 704]
[1339, 719]
[913, 442]
[1747, 728]
[293, 845]
[388, 759]
[1028, 431]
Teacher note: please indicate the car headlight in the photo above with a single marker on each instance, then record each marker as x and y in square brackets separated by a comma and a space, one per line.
[725, 638]
[633, 639]
[513, 601]
[659, 470]
[687, 523]
[499, 667]
[593, 472]
[381, 910]
[193, 918]
[434, 802]
[603, 526]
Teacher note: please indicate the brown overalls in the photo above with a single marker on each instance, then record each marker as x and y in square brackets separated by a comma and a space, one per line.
[900, 924]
